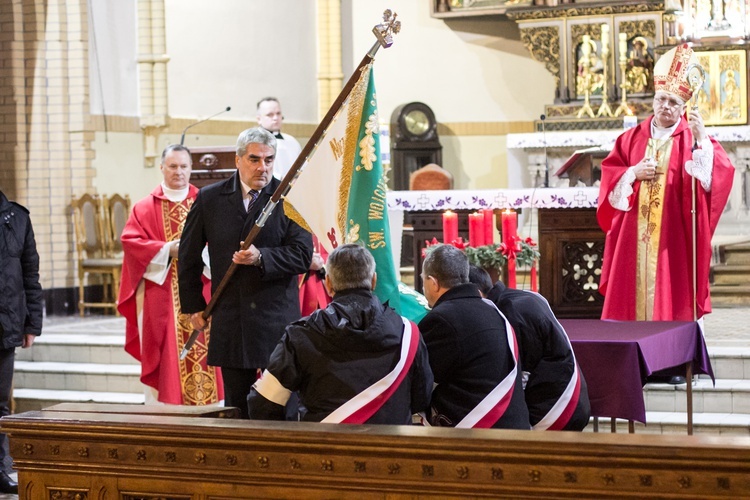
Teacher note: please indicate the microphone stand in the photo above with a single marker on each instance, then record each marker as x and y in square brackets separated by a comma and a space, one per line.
[182, 139]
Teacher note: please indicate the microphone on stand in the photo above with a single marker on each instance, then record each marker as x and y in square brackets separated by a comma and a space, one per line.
[544, 139]
[182, 139]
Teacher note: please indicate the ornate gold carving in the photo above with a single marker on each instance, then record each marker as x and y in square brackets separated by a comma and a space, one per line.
[200, 457]
[428, 470]
[535, 475]
[58, 494]
[326, 465]
[140, 455]
[497, 473]
[231, 459]
[645, 28]
[54, 449]
[684, 482]
[394, 468]
[646, 480]
[543, 43]
[360, 466]
[28, 449]
[170, 456]
[577, 11]
[112, 453]
[571, 477]
[294, 464]
[83, 451]
[462, 472]
[264, 462]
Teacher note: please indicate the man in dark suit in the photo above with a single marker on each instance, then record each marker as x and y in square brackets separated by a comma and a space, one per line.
[472, 348]
[262, 296]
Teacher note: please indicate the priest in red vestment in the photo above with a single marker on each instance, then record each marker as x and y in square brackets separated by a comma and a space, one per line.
[156, 331]
[645, 203]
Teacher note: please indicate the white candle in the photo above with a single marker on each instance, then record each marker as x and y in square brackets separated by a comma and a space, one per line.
[623, 38]
[605, 37]
[586, 45]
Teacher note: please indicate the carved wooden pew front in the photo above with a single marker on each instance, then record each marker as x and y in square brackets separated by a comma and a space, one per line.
[118, 456]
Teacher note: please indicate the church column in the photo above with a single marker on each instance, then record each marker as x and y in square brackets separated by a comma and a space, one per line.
[330, 73]
[152, 71]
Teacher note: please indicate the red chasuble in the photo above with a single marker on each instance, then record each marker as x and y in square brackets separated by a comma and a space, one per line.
[164, 331]
[669, 293]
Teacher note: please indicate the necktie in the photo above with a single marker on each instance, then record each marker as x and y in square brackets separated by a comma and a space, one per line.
[252, 195]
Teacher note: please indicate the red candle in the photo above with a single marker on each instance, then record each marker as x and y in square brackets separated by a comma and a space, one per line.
[476, 229]
[533, 277]
[450, 227]
[509, 221]
[489, 226]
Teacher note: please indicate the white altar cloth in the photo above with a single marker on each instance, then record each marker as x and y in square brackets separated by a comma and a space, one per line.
[412, 201]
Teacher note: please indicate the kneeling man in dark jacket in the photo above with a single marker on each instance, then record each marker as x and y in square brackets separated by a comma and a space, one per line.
[473, 350]
[356, 361]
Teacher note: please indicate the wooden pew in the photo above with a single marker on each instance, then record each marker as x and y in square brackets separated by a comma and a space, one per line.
[108, 455]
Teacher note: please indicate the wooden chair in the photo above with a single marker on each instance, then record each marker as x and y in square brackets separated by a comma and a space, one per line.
[116, 212]
[430, 177]
[92, 252]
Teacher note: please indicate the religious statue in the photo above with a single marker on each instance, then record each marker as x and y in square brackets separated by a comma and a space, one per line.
[730, 104]
[640, 68]
[590, 70]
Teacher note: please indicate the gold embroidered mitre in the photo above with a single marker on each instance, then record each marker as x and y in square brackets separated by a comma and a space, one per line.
[670, 72]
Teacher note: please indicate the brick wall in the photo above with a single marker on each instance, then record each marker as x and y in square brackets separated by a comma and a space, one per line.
[45, 134]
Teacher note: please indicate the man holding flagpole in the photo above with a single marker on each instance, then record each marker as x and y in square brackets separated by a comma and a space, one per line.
[262, 296]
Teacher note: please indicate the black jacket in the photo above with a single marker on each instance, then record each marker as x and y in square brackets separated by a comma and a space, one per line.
[546, 353]
[470, 356]
[259, 302]
[20, 291]
[337, 352]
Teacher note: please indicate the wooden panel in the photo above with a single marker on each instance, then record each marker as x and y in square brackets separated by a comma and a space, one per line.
[572, 246]
[212, 164]
[60, 455]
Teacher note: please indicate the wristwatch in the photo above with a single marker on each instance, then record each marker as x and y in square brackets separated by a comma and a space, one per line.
[259, 262]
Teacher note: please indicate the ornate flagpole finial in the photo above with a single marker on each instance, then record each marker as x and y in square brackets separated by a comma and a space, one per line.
[389, 27]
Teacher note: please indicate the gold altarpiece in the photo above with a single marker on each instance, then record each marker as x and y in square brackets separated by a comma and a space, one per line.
[602, 53]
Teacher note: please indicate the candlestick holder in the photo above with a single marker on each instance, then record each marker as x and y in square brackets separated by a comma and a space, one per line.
[623, 108]
[604, 109]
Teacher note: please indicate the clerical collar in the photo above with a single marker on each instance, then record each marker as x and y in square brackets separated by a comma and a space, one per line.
[660, 133]
[275, 134]
[175, 195]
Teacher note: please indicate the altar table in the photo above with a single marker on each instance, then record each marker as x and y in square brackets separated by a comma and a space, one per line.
[615, 357]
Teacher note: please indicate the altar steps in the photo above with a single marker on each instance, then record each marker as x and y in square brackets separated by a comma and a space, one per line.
[730, 278]
[77, 361]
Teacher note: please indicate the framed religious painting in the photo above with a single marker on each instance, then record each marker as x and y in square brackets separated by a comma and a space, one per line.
[723, 97]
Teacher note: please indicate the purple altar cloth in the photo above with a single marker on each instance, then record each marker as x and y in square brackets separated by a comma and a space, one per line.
[615, 357]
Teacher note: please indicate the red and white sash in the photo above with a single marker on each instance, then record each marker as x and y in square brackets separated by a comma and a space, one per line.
[559, 415]
[493, 406]
[364, 405]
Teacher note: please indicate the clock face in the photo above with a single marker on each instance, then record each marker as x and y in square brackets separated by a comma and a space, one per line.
[416, 122]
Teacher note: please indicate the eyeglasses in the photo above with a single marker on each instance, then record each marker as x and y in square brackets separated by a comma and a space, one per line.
[665, 101]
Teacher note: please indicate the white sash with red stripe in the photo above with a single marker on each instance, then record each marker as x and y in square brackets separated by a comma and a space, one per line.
[559, 415]
[365, 404]
[493, 406]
